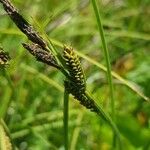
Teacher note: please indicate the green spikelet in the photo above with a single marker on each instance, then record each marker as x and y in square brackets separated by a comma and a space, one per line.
[76, 85]
[5, 143]
[74, 68]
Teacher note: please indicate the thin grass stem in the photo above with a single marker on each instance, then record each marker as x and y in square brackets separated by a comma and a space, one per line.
[106, 53]
[66, 103]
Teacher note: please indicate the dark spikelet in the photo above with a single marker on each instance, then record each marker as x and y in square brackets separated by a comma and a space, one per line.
[22, 24]
[74, 68]
[41, 55]
[77, 85]
[4, 57]
[80, 96]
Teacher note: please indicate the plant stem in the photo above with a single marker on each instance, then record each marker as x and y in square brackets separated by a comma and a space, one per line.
[66, 103]
[106, 53]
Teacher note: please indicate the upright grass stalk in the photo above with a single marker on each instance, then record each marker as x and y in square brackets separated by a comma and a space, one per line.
[106, 53]
[66, 103]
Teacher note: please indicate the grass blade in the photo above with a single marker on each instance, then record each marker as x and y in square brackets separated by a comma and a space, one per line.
[106, 53]
[101, 32]
[66, 103]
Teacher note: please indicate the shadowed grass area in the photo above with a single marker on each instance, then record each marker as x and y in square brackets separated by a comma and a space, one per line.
[31, 94]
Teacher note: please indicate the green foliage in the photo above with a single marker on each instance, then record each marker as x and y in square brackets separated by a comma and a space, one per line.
[31, 93]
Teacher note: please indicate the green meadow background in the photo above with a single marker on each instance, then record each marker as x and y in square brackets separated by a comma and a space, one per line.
[31, 93]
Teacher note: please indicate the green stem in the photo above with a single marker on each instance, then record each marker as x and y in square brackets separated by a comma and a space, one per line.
[106, 53]
[66, 103]
[101, 32]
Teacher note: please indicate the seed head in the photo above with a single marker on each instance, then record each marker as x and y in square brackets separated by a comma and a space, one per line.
[74, 68]
[41, 55]
[80, 96]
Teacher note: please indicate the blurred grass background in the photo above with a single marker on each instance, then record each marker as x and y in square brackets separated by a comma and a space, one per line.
[31, 94]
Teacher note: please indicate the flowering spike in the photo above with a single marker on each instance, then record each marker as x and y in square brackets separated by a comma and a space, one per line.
[74, 68]
[41, 55]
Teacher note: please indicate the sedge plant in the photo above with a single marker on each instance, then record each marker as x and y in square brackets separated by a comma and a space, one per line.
[67, 63]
